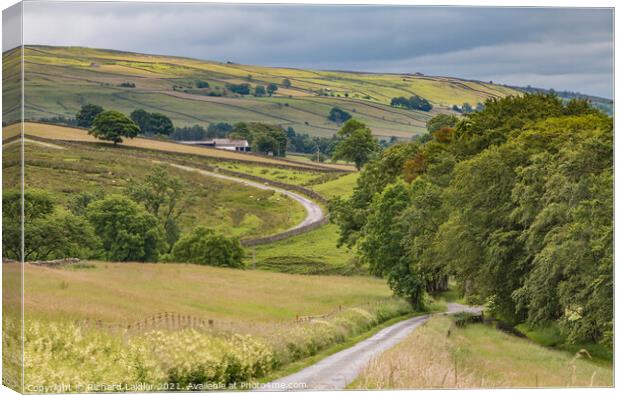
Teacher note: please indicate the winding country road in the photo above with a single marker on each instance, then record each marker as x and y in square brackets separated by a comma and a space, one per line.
[314, 212]
[339, 370]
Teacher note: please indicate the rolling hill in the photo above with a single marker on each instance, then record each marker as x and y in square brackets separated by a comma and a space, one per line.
[59, 80]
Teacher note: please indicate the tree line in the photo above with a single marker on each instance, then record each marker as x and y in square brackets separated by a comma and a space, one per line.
[140, 224]
[113, 125]
[264, 138]
[414, 102]
[514, 202]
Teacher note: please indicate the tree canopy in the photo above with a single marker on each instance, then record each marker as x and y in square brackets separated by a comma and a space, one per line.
[127, 231]
[206, 247]
[260, 90]
[241, 89]
[152, 123]
[515, 202]
[415, 102]
[49, 231]
[338, 115]
[113, 126]
[266, 139]
[356, 143]
[272, 88]
[441, 121]
[87, 115]
[164, 196]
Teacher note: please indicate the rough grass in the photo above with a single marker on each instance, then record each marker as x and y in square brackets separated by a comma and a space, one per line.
[253, 328]
[307, 158]
[68, 357]
[288, 176]
[551, 336]
[441, 355]
[127, 292]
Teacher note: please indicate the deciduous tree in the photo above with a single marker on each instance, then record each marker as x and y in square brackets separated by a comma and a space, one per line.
[113, 126]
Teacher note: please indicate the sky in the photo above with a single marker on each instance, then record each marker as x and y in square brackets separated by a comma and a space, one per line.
[560, 48]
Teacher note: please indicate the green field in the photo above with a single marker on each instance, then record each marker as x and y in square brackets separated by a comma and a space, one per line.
[442, 355]
[314, 252]
[341, 186]
[61, 79]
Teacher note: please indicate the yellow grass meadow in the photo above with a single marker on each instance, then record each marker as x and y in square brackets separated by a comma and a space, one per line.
[76, 330]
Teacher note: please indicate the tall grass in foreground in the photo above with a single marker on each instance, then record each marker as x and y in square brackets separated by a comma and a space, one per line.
[441, 355]
[66, 357]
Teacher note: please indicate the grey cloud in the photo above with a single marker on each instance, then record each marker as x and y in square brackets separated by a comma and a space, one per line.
[11, 27]
[502, 44]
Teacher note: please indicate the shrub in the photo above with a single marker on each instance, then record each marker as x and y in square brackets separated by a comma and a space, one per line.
[338, 115]
[50, 232]
[205, 247]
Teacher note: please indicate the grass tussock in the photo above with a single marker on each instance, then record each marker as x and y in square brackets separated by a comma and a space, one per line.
[67, 357]
[442, 355]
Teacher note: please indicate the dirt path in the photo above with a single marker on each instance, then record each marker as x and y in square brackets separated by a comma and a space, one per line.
[314, 212]
[339, 370]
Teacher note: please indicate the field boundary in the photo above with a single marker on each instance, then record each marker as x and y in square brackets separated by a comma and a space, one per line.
[175, 321]
[285, 164]
[285, 234]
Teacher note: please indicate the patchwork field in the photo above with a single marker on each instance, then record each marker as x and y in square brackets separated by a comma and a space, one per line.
[61, 79]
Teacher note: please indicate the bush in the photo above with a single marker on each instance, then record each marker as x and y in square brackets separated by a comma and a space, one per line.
[415, 102]
[205, 247]
[338, 115]
[202, 84]
[240, 89]
[50, 232]
[127, 231]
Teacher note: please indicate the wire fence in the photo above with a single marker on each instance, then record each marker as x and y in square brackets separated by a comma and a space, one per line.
[164, 320]
[177, 321]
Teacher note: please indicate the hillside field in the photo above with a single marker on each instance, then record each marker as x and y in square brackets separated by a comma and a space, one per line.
[61, 79]
[235, 209]
[90, 165]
